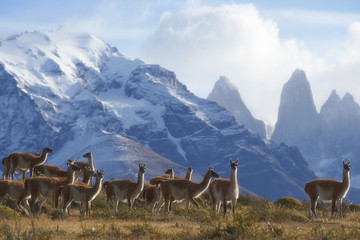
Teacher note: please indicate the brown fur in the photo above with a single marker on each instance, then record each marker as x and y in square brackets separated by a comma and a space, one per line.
[49, 170]
[152, 195]
[81, 192]
[6, 166]
[223, 190]
[83, 165]
[16, 191]
[125, 189]
[151, 192]
[48, 187]
[26, 161]
[169, 174]
[184, 190]
[329, 189]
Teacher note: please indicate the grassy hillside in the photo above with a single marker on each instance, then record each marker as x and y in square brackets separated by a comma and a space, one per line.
[256, 218]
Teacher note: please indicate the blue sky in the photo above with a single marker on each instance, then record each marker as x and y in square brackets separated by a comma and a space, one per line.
[257, 44]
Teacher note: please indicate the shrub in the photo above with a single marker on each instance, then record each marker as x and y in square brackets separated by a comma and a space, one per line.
[282, 215]
[142, 230]
[289, 202]
[8, 213]
[57, 214]
[354, 207]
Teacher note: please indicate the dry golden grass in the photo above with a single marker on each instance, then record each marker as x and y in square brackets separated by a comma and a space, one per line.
[256, 218]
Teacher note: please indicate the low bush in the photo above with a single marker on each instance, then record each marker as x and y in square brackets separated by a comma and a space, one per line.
[8, 213]
[289, 202]
[57, 214]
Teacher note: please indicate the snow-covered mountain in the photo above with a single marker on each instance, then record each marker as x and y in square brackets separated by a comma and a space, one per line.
[226, 94]
[75, 93]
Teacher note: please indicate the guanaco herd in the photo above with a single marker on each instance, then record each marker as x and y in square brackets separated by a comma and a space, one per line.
[49, 181]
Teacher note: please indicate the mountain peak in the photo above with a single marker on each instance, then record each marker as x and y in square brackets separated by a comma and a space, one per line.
[334, 96]
[226, 84]
[226, 94]
[333, 99]
[297, 116]
[298, 78]
[348, 98]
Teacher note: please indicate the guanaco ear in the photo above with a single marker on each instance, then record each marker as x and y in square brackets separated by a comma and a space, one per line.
[139, 165]
[237, 160]
[349, 161]
[231, 161]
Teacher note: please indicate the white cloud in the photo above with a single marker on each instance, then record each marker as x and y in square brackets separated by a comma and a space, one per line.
[202, 43]
[342, 71]
[311, 18]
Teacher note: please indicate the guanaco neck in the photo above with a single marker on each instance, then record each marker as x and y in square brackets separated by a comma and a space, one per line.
[140, 182]
[201, 187]
[70, 178]
[91, 162]
[41, 159]
[188, 175]
[233, 177]
[97, 187]
[346, 179]
[171, 175]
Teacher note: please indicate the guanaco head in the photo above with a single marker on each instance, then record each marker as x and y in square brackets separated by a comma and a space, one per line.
[36, 152]
[234, 164]
[170, 170]
[346, 166]
[48, 150]
[100, 174]
[72, 166]
[142, 168]
[213, 173]
[70, 161]
[89, 172]
[87, 155]
[190, 169]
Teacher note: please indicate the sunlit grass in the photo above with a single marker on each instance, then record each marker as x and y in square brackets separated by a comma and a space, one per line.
[255, 218]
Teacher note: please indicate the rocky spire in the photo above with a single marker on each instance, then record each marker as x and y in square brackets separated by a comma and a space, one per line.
[340, 123]
[227, 95]
[298, 121]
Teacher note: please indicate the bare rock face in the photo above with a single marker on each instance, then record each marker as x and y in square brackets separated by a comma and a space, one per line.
[340, 124]
[298, 121]
[227, 95]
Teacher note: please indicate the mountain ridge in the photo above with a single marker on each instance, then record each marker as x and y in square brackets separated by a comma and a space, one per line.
[81, 94]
